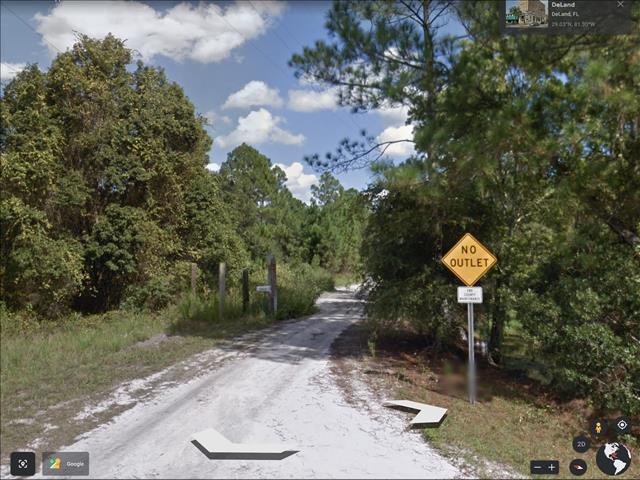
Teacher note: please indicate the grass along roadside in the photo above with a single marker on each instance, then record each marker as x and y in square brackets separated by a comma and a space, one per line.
[76, 363]
[344, 279]
[514, 421]
[50, 370]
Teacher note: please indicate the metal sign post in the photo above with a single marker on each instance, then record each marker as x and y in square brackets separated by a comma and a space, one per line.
[471, 295]
[469, 260]
[472, 359]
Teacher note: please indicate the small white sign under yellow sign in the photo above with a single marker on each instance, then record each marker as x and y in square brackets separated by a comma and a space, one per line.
[469, 294]
[469, 260]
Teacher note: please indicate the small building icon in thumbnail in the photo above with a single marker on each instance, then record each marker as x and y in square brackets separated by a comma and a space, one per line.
[527, 13]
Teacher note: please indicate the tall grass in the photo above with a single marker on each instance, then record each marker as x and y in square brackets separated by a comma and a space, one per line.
[71, 354]
[45, 362]
[298, 288]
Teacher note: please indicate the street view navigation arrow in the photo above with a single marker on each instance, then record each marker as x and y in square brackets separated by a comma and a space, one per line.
[469, 260]
[217, 447]
[427, 414]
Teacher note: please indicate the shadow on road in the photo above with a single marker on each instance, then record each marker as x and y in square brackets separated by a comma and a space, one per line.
[296, 340]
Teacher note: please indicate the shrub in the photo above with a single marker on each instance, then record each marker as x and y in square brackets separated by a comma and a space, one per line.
[298, 288]
[152, 295]
[44, 274]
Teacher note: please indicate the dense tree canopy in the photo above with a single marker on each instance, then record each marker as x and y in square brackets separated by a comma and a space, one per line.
[97, 166]
[105, 195]
[267, 214]
[338, 218]
[532, 143]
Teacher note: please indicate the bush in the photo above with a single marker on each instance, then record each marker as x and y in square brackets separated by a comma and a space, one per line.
[583, 325]
[316, 277]
[196, 309]
[575, 291]
[44, 274]
[152, 295]
[298, 289]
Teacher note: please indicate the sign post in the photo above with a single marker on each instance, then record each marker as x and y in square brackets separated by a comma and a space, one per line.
[222, 287]
[472, 354]
[271, 277]
[469, 260]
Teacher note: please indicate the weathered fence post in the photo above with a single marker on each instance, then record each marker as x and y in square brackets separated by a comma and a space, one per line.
[273, 293]
[222, 273]
[245, 290]
[193, 278]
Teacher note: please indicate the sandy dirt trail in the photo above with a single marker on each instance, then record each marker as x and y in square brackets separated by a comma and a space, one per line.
[277, 388]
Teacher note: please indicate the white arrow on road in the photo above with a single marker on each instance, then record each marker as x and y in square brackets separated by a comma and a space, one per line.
[216, 446]
[427, 414]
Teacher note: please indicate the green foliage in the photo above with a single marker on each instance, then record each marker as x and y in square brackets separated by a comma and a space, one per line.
[211, 230]
[272, 221]
[106, 199]
[528, 142]
[337, 218]
[298, 289]
[104, 186]
[267, 215]
[155, 294]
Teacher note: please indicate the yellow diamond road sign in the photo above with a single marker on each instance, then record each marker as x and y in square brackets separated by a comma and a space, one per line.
[469, 260]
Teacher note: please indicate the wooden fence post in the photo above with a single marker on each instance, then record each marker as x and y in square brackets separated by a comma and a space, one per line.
[245, 290]
[222, 273]
[193, 278]
[273, 294]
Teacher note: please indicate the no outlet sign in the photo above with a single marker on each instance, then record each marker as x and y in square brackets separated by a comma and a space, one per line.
[469, 260]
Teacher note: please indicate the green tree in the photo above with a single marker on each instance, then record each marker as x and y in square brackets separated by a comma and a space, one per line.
[528, 142]
[515, 11]
[210, 232]
[335, 233]
[269, 218]
[327, 191]
[99, 165]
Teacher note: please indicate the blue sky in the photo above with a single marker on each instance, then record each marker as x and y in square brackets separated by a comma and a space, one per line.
[230, 58]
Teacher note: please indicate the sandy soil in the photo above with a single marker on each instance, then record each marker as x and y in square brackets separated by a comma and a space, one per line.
[276, 386]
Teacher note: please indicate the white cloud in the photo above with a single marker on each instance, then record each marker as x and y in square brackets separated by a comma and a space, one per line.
[298, 182]
[213, 167]
[394, 115]
[8, 71]
[259, 126]
[395, 119]
[213, 118]
[310, 100]
[210, 116]
[204, 32]
[402, 149]
[254, 94]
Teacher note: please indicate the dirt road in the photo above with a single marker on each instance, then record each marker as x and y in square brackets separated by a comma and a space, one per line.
[275, 387]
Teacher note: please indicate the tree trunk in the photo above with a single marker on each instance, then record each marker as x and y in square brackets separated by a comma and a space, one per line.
[245, 291]
[497, 329]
